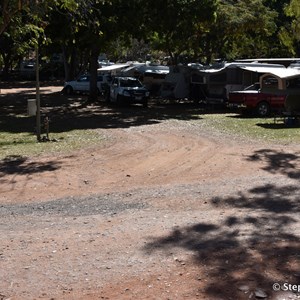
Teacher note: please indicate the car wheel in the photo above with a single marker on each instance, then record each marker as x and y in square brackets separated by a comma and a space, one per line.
[263, 109]
[68, 90]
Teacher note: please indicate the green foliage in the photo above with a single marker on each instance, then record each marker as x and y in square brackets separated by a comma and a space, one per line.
[289, 33]
[242, 29]
[37, 10]
[287, 39]
[176, 26]
[8, 9]
[70, 5]
[293, 10]
[203, 29]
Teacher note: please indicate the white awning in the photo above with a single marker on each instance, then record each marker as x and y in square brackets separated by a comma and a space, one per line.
[113, 67]
[263, 69]
[287, 74]
[252, 67]
[278, 72]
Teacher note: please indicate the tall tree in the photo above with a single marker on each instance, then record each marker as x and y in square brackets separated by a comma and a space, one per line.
[22, 23]
[278, 48]
[241, 29]
[95, 24]
[62, 33]
[15, 43]
[8, 9]
[290, 32]
[177, 25]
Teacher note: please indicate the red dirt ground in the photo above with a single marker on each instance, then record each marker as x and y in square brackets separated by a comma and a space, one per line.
[169, 210]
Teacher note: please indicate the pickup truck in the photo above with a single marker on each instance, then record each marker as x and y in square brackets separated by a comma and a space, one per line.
[253, 99]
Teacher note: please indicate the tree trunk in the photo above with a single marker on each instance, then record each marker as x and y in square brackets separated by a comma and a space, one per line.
[73, 71]
[93, 97]
[70, 62]
[7, 62]
[66, 64]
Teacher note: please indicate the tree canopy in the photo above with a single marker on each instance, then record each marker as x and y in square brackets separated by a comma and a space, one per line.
[199, 29]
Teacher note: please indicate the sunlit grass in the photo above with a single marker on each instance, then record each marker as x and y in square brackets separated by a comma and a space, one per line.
[266, 129]
[25, 144]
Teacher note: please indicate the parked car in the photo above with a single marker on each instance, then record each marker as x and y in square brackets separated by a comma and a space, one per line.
[128, 90]
[276, 87]
[82, 84]
[255, 100]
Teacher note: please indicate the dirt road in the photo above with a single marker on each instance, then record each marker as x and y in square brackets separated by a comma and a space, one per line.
[168, 210]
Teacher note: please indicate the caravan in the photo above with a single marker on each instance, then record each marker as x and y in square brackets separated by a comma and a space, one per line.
[211, 84]
[216, 83]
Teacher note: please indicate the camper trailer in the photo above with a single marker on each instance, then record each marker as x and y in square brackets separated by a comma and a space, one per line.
[213, 85]
[151, 75]
[176, 85]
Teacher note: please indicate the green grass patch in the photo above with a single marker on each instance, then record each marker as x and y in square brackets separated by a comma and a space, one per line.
[255, 128]
[17, 138]
[22, 144]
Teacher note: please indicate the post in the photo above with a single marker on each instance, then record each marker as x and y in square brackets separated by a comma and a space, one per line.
[37, 78]
[38, 105]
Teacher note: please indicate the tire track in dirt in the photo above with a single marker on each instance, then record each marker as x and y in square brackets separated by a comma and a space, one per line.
[135, 157]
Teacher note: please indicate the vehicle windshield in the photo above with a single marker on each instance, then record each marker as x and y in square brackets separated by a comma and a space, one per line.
[126, 82]
[270, 82]
[253, 87]
[84, 78]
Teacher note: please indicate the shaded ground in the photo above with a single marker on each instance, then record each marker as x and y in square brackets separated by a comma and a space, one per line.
[167, 208]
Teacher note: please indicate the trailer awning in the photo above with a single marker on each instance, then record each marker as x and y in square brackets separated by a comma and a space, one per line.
[283, 73]
[113, 67]
[252, 67]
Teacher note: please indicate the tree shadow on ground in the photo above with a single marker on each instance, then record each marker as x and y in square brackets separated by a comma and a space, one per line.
[278, 162]
[29, 84]
[254, 239]
[255, 244]
[18, 100]
[70, 113]
[281, 125]
[19, 165]
[74, 112]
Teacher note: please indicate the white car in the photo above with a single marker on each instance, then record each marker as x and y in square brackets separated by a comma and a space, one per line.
[128, 90]
[82, 84]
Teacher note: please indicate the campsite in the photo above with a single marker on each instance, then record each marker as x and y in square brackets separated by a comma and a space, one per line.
[149, 149]
[164, 202]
